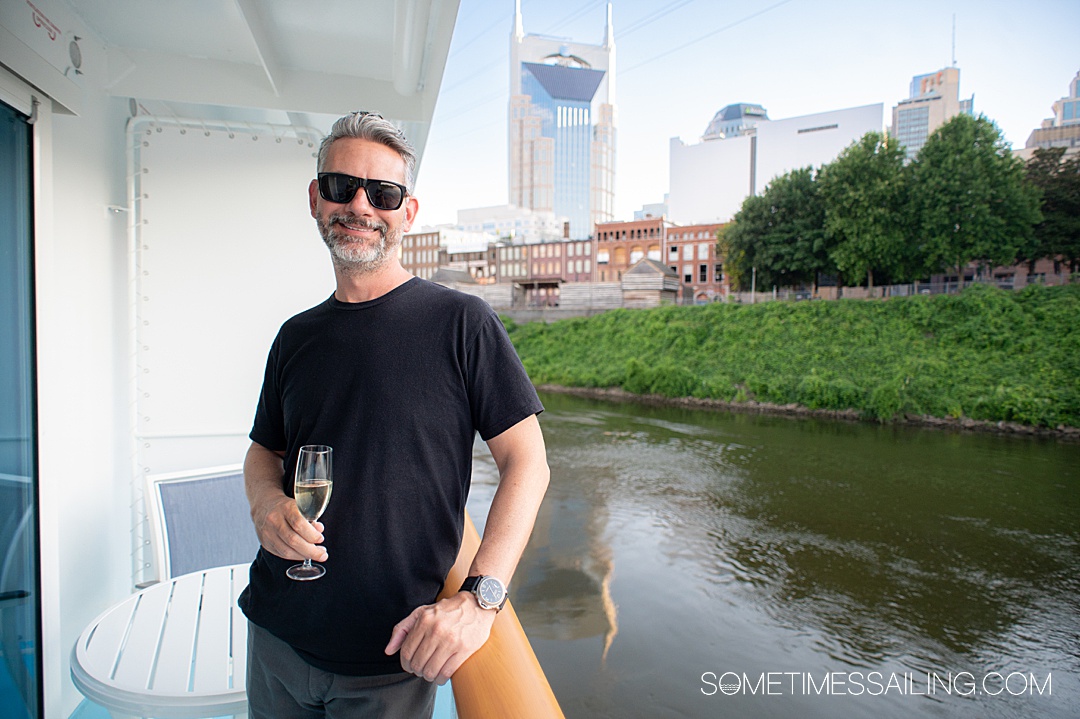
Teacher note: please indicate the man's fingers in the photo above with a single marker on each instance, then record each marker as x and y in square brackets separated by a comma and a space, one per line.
[452, 665]
[298, 524]
[436, 639]
[285, 532]
[433, 665]
[401, 630]
[306, 549]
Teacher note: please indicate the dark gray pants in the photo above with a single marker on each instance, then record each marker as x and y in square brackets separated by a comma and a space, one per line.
[281, 685]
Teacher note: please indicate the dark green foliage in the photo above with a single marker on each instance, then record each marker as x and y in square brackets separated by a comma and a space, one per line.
[986, 354]
[865, 192]
[970, 197]
[780, 234]
[1059, 232]
[868, 218]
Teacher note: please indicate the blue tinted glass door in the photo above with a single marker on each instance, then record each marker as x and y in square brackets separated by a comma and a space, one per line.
[19, 606]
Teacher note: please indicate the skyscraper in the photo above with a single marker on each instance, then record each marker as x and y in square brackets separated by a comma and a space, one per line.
[562, 126]
[935, 98]
[1061, 130]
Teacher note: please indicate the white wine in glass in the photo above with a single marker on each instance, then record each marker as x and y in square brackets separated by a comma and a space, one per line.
[312, 487]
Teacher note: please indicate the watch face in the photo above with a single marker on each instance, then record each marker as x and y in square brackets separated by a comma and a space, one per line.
[491, 591]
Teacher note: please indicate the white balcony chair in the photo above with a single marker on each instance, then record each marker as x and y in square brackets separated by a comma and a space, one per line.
[178, 647]
[198, 520]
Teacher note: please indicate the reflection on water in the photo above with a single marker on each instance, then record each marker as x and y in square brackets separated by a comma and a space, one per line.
[676, 542]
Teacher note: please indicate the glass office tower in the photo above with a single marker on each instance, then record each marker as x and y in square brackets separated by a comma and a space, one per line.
[562, 127]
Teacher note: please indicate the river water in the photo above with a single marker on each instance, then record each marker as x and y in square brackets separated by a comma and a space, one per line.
[688, 563]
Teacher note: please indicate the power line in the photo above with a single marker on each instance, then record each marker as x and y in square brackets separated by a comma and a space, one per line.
[705, 36]
[484, 68]
[652, 17]
[472, 105]
[574, 15]
[476, 37]
[477, 128]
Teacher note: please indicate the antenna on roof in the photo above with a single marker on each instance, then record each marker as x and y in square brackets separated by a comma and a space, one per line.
[519, 30]
[954, 40]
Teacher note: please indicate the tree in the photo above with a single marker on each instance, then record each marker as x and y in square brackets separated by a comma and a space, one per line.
[865, 191]
[779, 235]
[1058, 235]
[970, 198]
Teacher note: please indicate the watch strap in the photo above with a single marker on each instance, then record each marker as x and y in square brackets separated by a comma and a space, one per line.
[472, 585]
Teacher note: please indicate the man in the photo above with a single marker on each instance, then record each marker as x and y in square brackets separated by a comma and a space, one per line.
[397, 375]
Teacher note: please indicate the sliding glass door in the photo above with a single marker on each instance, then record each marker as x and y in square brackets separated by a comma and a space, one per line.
[20, 674]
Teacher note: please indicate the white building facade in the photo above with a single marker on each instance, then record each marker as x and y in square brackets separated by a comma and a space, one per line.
[709, 180]
[518, 225]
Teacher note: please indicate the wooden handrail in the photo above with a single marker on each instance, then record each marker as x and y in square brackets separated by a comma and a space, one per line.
[503, 678]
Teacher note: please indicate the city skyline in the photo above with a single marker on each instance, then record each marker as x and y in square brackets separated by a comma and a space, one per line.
[681, 61]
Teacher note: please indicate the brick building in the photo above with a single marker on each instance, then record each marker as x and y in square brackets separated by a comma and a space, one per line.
[538, 271]
[511, 262]
[619, 245]
[420, 253]
[690, 252]
[541, 269]
[477, 260]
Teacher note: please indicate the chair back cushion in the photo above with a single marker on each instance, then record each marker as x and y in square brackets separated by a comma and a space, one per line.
[207, 523]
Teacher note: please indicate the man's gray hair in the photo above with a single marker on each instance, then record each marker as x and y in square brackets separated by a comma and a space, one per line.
[375, 128]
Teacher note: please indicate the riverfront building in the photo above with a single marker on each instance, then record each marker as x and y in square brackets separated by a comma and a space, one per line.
[691, 254]
[742, 150]
[620, 245]
[550, 265]
[934, 99]
[562, 126]
[478, 260]
[539, 271]
[422, 253]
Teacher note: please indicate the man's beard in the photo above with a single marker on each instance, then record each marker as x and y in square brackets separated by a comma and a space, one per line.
[353, 256]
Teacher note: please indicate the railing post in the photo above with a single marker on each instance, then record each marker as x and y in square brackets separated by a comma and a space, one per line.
[503, 678]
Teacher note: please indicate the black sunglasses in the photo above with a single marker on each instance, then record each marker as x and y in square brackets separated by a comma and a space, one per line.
[381, 194]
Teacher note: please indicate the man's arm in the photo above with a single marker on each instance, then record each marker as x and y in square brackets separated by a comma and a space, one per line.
[281, 529]
[436, 639]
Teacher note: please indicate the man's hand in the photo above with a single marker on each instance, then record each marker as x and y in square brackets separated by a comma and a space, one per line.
[437, 638]
[283, 531]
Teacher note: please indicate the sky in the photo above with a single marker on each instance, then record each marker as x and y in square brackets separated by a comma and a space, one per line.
[679, 61]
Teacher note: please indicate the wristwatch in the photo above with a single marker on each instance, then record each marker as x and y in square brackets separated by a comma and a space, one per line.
[490, 593]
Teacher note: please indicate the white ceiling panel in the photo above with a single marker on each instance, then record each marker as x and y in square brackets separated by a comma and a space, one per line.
[296, 57]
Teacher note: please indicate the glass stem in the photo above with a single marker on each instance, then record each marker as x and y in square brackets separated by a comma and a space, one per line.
[307, 562]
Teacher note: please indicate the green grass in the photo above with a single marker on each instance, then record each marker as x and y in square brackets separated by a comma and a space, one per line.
[986, 354]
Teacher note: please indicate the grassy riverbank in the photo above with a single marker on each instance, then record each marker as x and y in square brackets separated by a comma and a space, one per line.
[986, 354]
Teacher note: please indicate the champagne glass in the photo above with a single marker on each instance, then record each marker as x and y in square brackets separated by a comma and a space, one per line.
[314, 481]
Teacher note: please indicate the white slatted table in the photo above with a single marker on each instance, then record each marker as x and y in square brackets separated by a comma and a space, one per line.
[175, 650]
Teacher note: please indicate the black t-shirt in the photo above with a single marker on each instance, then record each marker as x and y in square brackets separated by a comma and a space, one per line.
[398, 386]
